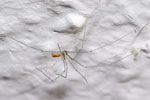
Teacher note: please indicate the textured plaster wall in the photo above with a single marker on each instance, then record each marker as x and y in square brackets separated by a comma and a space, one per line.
[109, 37]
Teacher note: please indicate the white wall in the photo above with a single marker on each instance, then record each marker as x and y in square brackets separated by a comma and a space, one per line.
[110, 37]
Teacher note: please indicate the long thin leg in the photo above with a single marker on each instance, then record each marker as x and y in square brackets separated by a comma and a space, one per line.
[117, 46]
[45, 74]
[65, 64]
[77, 70]
[27, 45]
[76, 61]
[111, 42]
[86, 22]
[65, 71]
[121, 59]
[135, 38]
[139, 33]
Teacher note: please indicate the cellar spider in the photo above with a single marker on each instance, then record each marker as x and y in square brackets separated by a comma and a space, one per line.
[65, 58]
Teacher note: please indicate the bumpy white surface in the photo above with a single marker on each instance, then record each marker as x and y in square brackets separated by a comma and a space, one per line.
[43, 24]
